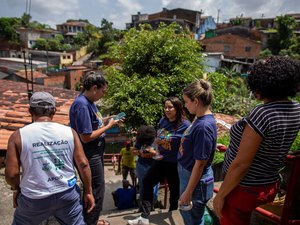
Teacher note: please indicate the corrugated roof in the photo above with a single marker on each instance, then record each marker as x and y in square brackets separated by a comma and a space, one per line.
[14, 107]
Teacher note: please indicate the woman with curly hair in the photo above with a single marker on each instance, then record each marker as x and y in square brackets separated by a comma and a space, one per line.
[260, 141]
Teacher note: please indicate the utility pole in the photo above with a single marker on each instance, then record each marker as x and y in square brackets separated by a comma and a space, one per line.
[218, 16]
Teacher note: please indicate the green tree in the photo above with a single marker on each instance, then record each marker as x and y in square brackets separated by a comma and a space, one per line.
[285, 33]
[265, 53]
[109, 35]
[231, 95]
[286, 26]
[92, 33]
[294, 48]
[25, 20]
[8, 28]
[79, 39]
[153, 64]
[41, 44]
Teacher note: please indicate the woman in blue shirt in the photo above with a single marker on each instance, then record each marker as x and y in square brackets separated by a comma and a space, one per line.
[170, 129]
[196, 153]
[86, 119]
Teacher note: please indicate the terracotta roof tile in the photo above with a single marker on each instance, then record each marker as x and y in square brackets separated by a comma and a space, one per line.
[14, 107]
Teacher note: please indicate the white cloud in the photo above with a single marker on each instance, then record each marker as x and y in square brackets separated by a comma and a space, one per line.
[119, 11]
[54, 11]
[130, 5]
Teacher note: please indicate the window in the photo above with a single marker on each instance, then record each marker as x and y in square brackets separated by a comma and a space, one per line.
[68, 57]
[64, 57]
[247, 49]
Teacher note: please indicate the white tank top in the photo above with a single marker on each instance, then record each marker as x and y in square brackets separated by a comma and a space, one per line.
[46, 159]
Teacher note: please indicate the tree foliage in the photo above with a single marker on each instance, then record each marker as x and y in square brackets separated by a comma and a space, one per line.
[152, 65]
[285, 35]
[51, 44]
[8, 28]
[109, 35]
[231, 95]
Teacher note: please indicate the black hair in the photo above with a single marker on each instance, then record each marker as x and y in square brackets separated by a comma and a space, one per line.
[39, 111]
[180, 114]
[145, 135]
[93, 78]
[275, 77]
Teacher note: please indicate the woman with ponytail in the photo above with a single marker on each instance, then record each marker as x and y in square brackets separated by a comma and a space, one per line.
[196, 153]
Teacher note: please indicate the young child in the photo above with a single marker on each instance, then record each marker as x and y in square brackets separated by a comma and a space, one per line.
[113, 162]
[143, 148]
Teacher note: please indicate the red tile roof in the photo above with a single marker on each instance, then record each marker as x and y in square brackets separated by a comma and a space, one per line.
[14, 107]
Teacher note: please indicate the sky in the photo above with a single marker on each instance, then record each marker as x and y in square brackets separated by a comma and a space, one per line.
[119, 12]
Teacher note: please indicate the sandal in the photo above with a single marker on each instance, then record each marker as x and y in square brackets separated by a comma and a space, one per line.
[103, 222]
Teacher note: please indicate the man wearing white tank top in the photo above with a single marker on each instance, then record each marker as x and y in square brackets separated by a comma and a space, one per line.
[47, 152]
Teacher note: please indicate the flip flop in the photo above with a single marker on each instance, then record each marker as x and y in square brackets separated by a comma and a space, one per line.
[103, 222]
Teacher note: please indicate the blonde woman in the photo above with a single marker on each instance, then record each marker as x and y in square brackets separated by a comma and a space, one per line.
[196, 153]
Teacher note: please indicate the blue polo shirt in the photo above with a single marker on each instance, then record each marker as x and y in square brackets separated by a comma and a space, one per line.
[198, 142]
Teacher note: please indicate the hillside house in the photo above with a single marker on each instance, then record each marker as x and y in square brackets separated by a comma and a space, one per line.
[189, 19]
[29, 36]
[70, 29]
[233, 47]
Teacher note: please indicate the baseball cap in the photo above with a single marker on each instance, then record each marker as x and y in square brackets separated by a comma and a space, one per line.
[42, 100]
[126, 143]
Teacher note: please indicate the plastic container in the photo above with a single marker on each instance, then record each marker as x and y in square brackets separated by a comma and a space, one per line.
[186, 207]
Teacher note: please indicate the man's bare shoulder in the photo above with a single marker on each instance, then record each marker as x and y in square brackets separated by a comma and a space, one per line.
[15, 139]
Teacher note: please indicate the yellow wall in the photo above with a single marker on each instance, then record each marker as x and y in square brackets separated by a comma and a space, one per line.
[81, 52]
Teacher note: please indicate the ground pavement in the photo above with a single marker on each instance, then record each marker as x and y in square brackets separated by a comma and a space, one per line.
[110, 212]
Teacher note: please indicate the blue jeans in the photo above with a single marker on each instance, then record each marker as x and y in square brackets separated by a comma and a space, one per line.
[141, 170]
[65, 207]
[202, 193]
[98, 186]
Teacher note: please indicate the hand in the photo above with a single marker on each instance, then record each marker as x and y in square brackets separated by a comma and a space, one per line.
[112, 122]
[15, 198]
[218, 204]
[185, 198]
[89, 202]
[165, 144]
[135, 152]
[151, 150]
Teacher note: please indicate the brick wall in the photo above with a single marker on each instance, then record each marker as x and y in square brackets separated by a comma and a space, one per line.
[73, 78]
[233, 46]
[55, 81]
[66, 79]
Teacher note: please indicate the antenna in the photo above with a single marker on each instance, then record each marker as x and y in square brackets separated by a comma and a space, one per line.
[29, 91]
[26, 6]
[29, 7]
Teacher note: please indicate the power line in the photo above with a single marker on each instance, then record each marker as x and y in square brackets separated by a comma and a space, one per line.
[29, 7]
[26, 6]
